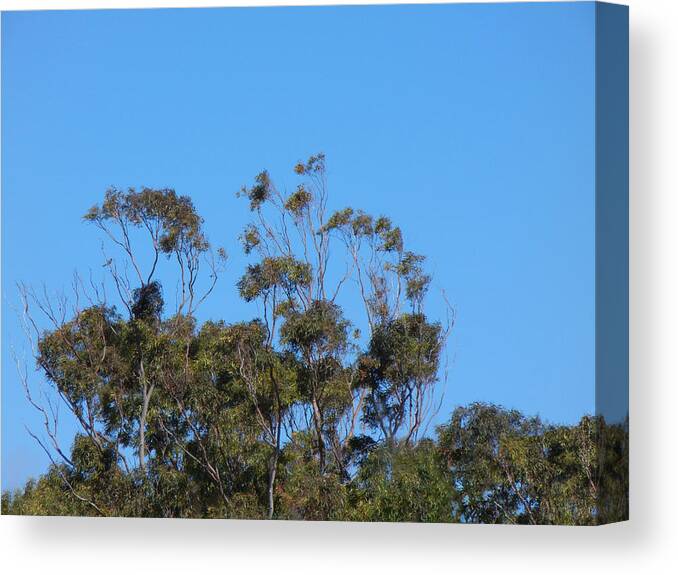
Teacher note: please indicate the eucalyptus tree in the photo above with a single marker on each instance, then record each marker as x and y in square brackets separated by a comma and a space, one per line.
[388, 389]
[173, 406]
[110, 368]
[316, 408]
[509, 468]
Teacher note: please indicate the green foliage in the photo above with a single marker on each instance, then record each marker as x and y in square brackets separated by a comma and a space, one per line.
[508, 468]
[173, 216]
[260, 192]
[285, 273]
[417, 282]
[404, 483]
[305, 492]
[250, 239]
[392, 240]
[320, 331]
[80, 356]
[339, 219]
[299, 201]
[147, 302]
[401, 363]
[314, 165]
[293, 414]
[46, 496]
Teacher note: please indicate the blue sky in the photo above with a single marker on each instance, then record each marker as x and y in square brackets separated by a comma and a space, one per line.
[471, 126]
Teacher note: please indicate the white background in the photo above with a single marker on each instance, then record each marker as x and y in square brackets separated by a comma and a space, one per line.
[648, 543]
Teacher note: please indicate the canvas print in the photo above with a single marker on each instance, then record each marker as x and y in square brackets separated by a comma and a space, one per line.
[347, 263]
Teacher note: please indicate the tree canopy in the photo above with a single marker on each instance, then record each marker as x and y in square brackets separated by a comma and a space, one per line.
[299, 413]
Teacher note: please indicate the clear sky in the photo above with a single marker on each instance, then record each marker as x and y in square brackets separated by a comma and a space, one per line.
[471, 126]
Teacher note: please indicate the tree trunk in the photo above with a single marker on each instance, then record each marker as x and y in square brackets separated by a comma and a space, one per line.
[271, 480]
[147, 392]
[317, 420]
